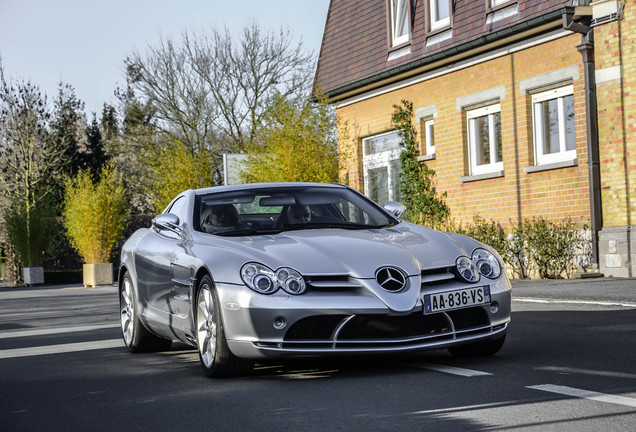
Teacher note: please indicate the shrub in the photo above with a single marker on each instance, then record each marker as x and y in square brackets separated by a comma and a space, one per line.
[28, 231]
[531, 246]
[296, 143]
[553, 246]
[95, 214]
[177, 168]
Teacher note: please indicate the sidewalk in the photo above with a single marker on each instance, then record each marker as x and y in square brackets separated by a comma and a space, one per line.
[615, 290]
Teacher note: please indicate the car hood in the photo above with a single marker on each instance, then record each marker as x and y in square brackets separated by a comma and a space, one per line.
[357, 253]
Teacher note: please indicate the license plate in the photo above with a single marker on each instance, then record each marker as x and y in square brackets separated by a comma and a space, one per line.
[456, 299]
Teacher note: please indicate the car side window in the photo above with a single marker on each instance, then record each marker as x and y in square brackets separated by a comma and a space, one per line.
[178, 208]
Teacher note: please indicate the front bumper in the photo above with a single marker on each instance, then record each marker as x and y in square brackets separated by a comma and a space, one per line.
[353, 321]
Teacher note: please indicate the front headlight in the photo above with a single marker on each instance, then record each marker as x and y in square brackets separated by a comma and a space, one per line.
[486, 263]
[466, 269]
[263, 280]
[259, 278]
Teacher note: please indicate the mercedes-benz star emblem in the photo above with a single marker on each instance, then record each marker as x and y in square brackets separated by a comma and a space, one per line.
[390, 279]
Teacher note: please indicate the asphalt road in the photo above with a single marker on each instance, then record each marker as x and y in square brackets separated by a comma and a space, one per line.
[569, 364]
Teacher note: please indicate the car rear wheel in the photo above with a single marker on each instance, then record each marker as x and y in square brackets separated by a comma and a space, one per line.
[136, 337]
[216, 358]
[478, 349]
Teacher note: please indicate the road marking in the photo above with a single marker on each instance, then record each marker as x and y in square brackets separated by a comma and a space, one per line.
[449, 369]
[567, 370]
[57, 330]
[585, 394]
[576, 302]
[61, 349]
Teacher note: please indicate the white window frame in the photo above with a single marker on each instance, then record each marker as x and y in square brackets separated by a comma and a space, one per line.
[402, 8]
[473, 150]
[436, 24]
[537, 125]
[380, 160]
[429, 134]
[495, 3]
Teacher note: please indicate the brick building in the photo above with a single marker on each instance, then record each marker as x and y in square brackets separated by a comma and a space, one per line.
[523, 107]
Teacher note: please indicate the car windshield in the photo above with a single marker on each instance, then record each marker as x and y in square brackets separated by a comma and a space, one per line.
[277, 209]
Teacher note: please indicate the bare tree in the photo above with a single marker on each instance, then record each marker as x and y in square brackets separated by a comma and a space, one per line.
[30, 161]
[209, 90]
[182, 106]
[30, 156]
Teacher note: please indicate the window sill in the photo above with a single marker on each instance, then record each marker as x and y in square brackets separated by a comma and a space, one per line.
[477, 177]
[439, 36]
[427, 157]
[395, 54]
[509, 3]
[551, 166]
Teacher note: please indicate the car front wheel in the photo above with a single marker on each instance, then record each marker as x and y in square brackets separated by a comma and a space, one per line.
[136, 337]
[216, 358]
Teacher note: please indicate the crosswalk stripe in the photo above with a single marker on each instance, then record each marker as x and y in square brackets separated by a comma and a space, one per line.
[586, 394]
[54, 330]
[449, 369]
[61, 349]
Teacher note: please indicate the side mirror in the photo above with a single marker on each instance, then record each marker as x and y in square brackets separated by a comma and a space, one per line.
[395, 208]
[167, 221]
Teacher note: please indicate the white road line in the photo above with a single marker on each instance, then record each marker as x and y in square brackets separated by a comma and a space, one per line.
[577, 302]
[585, 394]
[449, 369]
[61, 349]
[56, 330]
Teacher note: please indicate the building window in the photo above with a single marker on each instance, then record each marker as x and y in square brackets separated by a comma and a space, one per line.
[381, 164]
[495, 3]
[439, 13]
[400, 11]
[484, 140]
[429, 137]
[553, 119]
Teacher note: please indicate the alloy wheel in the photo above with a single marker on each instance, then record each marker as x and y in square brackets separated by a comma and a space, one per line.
[206, 326]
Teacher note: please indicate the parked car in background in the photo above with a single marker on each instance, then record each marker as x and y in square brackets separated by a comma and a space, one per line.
[261, 271]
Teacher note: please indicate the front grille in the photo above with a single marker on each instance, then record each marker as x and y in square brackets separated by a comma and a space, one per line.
[383, 331]
[393, 327]
[437, 276]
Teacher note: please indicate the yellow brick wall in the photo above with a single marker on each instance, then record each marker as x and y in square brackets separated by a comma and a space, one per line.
[615, 45]
[554, 194]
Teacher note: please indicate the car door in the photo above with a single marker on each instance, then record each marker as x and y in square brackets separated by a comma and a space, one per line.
[155, 257]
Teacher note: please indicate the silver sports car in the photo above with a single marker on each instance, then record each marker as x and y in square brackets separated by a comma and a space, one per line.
[260, 271]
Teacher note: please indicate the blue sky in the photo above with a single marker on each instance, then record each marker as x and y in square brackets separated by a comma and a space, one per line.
[84, 42]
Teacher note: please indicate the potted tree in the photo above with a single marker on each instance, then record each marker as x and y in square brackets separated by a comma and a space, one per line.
[28, 230]
[94, 216]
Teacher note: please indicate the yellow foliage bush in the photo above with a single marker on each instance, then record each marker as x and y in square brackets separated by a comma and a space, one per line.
[95, 214]
[177, 168]
[297, 144]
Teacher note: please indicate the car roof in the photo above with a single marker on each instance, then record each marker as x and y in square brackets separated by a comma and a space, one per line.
[252, 186]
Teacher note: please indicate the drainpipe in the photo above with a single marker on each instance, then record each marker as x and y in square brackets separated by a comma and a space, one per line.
[594, 166]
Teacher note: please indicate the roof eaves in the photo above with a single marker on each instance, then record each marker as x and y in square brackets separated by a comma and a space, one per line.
[548, 17]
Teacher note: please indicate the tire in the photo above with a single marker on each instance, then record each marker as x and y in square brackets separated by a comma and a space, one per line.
[215, 356]
[136, 337]
[478, 349]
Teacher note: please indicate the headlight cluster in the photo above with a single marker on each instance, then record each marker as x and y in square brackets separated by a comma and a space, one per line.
[263, 280]
[482, 262]
[486, 263]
